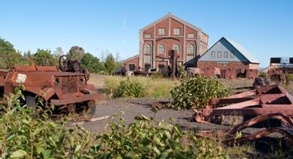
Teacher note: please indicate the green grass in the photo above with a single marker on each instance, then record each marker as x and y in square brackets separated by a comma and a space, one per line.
[155, 87]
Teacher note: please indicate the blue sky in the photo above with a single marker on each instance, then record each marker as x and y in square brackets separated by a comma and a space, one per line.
[265, 28]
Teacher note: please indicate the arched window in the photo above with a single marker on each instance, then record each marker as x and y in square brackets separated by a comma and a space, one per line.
[147, 49]
[161, 48]
[190, 49]
[176, 47]
[190, 52]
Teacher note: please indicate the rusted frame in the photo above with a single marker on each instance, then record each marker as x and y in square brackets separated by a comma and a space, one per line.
[284, 130]
[274, 99]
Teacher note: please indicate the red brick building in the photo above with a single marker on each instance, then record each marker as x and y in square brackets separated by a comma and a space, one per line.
[232, 59]
[165, 34]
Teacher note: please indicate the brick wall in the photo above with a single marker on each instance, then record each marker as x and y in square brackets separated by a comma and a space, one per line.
[169, 22]
[228, 70]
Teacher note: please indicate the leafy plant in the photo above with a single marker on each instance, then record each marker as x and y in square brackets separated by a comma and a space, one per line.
[153, 87]
[196, 92]
[145, 139]
[129, 88]
[23, 135]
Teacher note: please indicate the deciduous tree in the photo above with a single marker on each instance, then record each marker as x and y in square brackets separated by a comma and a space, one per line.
[8, 54]
[110, 64]
[92, 63]
[44, 58]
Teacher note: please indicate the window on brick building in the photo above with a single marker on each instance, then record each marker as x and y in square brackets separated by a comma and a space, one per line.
[190, 49]
[147, 59]
[190, 36]
[190, 52]
[176, 31]
[161, 48]
[147, 36]
[131, 67]
[147, 66]
[161, 31]
[176, 47]
[147, 49]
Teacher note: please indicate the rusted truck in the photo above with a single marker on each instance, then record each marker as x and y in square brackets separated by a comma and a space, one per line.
[67, 90]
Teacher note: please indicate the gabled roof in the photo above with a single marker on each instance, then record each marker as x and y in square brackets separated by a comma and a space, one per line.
[170, 15]
[238, 47]
[242, 50]
[130, 58]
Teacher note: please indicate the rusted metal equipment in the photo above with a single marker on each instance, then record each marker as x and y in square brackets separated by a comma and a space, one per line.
[68, 91]
[230, 137]
[66, 64]
[262, 100]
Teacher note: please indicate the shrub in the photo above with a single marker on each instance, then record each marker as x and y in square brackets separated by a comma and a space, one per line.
[157, 75]
[196, 92]
[129, 88]
[23, 135]
[145, 139]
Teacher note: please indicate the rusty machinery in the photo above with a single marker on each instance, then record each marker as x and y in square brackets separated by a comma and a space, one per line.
[66, 88]
[266, 107]
[279, 67]
[259, 101]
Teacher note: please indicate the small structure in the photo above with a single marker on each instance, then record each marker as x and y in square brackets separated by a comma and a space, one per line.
[131, 63]
[233, 60]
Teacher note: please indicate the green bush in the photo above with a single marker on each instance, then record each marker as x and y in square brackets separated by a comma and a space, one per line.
[157, 75]
[24, 135]
[196, 92]
[144, 139]
[129, 88]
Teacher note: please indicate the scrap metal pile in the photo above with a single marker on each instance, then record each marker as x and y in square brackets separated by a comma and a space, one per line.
[272, 105]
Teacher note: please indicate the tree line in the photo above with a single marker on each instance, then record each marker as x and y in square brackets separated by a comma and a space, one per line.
[10, 57]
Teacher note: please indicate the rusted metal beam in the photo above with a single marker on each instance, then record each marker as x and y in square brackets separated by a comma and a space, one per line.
[284, 118]
[268, 99]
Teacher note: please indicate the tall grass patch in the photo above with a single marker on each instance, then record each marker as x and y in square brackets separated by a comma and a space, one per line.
[154, 87]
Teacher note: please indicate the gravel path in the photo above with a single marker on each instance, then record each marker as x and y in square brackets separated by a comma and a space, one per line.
[134, 106]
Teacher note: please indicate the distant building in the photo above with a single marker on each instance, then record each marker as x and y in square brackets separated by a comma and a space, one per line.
[231, 58]
[160, 37]
[131, 63]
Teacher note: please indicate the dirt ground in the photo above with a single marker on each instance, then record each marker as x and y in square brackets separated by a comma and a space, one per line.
[132, 107]
[128, 108]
